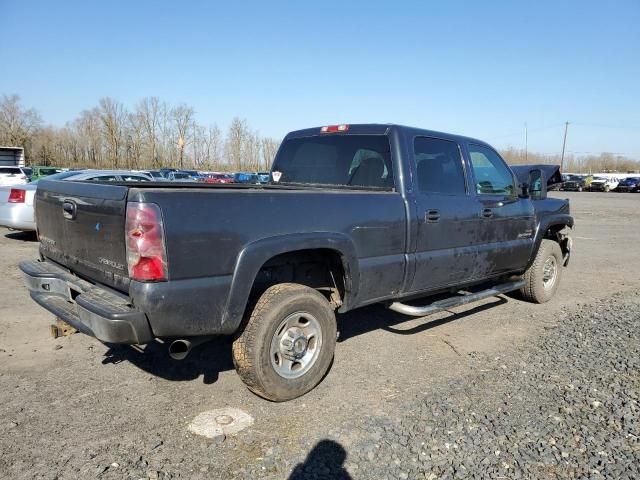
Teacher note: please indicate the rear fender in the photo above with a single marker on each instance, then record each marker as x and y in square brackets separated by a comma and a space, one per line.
[256, 254]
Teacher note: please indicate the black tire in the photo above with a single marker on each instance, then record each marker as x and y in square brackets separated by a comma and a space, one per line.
[252, 349]
[579, 189]
[536, 288]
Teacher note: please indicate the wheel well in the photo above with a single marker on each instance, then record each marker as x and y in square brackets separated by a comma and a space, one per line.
[560, 233]
[321, 269]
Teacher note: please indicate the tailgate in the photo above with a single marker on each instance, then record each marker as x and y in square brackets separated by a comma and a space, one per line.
[81, 226]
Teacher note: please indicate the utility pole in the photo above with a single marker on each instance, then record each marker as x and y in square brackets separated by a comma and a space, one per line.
[526, 150]
[564, 143]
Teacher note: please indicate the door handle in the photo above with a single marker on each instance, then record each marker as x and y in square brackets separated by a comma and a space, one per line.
[69, 210]
[432, 216]
[487, 212]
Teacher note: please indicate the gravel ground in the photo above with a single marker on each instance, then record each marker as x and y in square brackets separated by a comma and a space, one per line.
[74, 408]
[566, 407]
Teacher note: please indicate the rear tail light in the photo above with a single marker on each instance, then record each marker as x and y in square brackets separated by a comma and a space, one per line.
[17, 195]
[334, 128]
[146, 253]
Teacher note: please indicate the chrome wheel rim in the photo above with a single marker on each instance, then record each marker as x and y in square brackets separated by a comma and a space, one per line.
[296, 345]
[549, 272]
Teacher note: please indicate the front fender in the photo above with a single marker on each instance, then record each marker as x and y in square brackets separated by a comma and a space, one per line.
[558, 219]
[256, 254]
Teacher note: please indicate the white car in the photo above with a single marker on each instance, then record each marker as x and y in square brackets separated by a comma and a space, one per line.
[14, 176]
[16, 202]
[603, 184]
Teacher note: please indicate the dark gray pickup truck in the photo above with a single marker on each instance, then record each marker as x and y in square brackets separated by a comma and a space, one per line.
[352, 215]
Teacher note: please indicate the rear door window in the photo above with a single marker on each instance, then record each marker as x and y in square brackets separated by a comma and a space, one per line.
[439, 166]
[340, 160]
[492, 175]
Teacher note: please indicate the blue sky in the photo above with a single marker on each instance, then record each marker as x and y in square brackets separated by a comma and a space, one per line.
[476, 68]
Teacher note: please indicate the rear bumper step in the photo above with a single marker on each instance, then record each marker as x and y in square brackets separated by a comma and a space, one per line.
[455, 301]
[89, 308]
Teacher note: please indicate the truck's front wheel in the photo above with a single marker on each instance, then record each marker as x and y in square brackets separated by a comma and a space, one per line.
[287, 344]
[543, 276]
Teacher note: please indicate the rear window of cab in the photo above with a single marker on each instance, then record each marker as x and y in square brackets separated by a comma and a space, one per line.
[359, 161]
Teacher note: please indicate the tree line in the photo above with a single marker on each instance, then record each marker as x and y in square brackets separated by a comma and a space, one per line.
[604, 162]
[155, 134]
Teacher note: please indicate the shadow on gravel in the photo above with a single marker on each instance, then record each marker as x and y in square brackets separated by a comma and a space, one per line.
[207, 359]
[213, 357]
[23, 236]
[377, 317]
[325, 460]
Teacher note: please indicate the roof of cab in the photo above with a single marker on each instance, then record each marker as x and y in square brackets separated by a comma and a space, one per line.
[382, 129]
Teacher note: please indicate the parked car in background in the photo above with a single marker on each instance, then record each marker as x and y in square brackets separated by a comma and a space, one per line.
[16, 202]
[629, 184]
[603, 184]
[195, 175]
[14, 175]
[166, 171]
[41, 172]
[243, 177]
[264, 177]
[178, 176]
[156, 175]
[576, 183]
[217, 178]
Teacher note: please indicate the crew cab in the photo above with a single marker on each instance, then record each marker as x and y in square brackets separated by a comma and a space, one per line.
[352, 215]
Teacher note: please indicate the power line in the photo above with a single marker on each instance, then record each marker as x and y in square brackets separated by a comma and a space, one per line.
[615, 127]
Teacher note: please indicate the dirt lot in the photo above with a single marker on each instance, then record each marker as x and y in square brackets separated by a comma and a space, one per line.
[75, 408]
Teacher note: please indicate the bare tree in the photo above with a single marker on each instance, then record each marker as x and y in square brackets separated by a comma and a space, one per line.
[112, 116]
[148, 112]
[269, 149]
[17, 124]
[251, 151]
[149, 137]
[236, 135]
[182, 117]
[214, 147]
[88, 128]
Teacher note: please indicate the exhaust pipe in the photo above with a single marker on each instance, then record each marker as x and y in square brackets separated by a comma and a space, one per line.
[179, 349]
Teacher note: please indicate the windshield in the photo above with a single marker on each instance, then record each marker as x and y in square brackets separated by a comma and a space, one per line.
[341, 160]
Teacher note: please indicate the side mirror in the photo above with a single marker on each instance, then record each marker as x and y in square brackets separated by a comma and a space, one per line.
[524, 190]
[537, 184]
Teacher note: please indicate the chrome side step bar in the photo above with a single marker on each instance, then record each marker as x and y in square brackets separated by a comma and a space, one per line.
[455, 301]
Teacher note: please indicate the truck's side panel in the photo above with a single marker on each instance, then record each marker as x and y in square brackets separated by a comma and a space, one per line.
[207, 230]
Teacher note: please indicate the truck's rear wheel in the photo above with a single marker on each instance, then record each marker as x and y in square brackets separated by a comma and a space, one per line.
[543, 276]
[287, 344]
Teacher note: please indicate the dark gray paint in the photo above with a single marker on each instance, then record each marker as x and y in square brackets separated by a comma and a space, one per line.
[219, 236]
